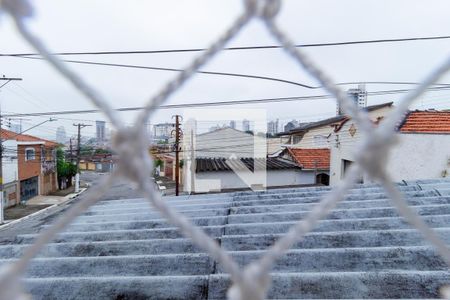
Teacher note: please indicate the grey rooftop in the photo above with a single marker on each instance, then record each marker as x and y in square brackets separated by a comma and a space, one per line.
[124, 249]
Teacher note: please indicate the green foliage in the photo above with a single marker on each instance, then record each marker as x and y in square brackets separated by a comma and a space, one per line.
[86, 150]
[59, 154]
[158, 163]
[64, 168]
[102, 151]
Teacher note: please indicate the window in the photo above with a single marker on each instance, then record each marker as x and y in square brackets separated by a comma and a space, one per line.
[30, 154]
[345, 166]
[297, 139]
[43, 154]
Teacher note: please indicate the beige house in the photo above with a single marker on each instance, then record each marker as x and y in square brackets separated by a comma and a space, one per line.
[316, 135]
[309, 144]
[422, 151]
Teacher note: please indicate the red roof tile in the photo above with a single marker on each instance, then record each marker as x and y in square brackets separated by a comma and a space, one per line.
[10, 135]
[311, 158]
[426, 122]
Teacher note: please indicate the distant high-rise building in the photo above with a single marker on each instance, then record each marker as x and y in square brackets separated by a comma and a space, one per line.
[359, 95]
[162, 131]
[100, 130]
[245, 125]
[233, 124]
[272, 127]
[290, 125]
[61, 135]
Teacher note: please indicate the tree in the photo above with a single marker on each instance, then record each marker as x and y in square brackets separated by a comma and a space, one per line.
[102, 151]
[66, 170]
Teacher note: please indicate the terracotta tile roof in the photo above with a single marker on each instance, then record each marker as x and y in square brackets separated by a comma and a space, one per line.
[426, 122]
[311, 158]
[11, 135]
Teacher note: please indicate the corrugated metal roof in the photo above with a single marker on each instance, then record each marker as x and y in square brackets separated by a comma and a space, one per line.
[223, 164]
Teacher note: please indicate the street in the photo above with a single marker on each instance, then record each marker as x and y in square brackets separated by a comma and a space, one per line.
[120, 190]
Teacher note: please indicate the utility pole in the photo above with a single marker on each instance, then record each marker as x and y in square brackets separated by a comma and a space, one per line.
[177, 153]
[77, 176]
[71, 151]
[2, 206]
[315, 172]
[193, 164]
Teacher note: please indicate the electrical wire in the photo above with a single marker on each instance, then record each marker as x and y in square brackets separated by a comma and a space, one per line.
[345, 43]
[223, 103]
[248, 76]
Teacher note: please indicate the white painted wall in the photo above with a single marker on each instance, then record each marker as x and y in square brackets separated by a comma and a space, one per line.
[342, 147]
[416, 156]
[273, 145]
[225, 142]
[343, 144]
[420, 156]
[229, 180]
[9, 162]
[313, 138]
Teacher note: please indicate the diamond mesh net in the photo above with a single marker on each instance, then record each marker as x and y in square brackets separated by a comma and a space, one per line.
[251, 282]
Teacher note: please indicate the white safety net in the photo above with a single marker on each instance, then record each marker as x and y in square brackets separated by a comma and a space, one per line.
[253, 281]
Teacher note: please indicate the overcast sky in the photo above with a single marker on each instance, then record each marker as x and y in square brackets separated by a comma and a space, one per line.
[94, 25]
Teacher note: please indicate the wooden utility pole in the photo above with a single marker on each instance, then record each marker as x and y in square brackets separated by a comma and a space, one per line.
[2, 206]
[77, 176]
[177, 153]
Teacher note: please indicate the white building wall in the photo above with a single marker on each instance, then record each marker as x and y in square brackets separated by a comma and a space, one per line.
[420, 156]
[415, 156]
[163, 130]
[343, 144]
[315, 138]
[230, 180]
[319, 138]
[9, 162]
[289, 177]
[226, 142]
[10, 173]
[273, 145]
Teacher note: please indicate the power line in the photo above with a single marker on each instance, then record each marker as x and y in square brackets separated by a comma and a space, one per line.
[345, 43]
[179, 70]
[228, 74]
[172, 106]
[220, 103]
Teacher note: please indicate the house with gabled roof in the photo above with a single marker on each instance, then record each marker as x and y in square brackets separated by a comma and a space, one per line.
[217, 154]
[279, 173]
[309, 144]
[422, 151]
[314, 163]
[314, 135]
[33, 159]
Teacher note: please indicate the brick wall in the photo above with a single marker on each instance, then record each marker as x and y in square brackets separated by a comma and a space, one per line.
[29, 168]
